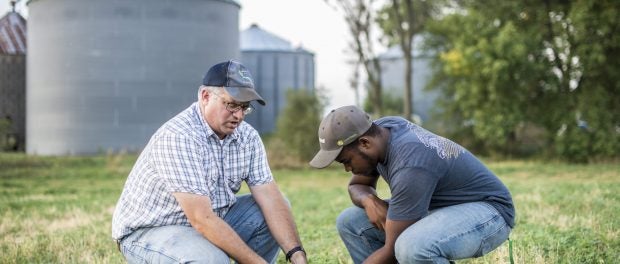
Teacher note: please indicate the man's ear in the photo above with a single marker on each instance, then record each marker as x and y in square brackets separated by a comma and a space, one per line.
[365, 142]
[205, 95]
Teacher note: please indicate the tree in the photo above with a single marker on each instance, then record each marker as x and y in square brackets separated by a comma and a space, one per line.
[5, 132]
[595, 43]
[360, 17]
[503, 64]
[354, 81]
[400, 21]
[298, 122]
[392, 105]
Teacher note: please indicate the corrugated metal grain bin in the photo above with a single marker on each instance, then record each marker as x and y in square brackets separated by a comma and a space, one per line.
[276, 67]
[12, 82]
[104, 75]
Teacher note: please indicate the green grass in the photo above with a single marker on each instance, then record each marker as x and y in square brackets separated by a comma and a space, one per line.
[58, 210]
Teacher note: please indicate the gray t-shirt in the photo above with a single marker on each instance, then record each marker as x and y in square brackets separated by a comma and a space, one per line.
[426, 172]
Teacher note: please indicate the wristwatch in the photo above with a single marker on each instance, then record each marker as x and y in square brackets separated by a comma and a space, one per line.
[290, 253]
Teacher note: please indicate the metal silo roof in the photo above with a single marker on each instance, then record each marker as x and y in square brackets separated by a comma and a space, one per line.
[12, 34]
[301, 49]
[256, 39]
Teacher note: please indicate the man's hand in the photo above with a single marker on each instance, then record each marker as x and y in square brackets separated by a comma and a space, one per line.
[376, 209]
[393, 229]
[299, 258]
[362, 190]
[383, 255]
[198, 210]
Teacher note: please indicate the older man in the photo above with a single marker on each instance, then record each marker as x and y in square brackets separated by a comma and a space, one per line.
[179, 203]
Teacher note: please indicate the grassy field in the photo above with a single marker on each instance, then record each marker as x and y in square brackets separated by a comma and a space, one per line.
[58, 210]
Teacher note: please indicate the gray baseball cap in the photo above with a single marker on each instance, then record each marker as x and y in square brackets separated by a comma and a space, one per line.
[339, 128]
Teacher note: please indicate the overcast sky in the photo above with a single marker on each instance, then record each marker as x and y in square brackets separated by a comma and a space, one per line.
[316, 26]
[313, 24]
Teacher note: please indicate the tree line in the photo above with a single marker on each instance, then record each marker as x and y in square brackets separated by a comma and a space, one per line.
[517, 78]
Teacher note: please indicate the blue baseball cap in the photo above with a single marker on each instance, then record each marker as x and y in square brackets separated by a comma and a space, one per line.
[235, 78]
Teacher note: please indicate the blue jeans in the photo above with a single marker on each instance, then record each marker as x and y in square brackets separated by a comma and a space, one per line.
[183, 244]
[450, 233]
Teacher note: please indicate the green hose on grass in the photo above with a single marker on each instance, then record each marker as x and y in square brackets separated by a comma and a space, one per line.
[512, 261]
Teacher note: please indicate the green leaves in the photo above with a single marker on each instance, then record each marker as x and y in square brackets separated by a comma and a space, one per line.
[544, 63]
[299, 121]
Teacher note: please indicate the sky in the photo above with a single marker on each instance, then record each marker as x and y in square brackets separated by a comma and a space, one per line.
[316, 26]
[313, 24]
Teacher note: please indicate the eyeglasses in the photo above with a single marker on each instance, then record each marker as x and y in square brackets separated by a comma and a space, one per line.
[246, 108]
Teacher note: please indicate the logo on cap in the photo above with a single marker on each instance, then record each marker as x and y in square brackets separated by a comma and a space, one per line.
[245, 75]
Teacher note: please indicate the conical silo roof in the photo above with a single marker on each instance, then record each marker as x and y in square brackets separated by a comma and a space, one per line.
[257, 39]
[12, 34]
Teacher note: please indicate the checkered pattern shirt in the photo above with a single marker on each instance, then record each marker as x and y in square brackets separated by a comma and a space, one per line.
[185, 155]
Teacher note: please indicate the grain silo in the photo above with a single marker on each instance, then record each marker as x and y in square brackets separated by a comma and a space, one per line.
[276, 67]
[12, 81]
[104, 75]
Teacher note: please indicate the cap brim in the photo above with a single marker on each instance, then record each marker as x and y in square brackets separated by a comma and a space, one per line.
[324, 158]
[243, 94]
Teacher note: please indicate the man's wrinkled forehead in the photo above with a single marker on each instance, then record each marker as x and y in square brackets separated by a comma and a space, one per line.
[222, 93]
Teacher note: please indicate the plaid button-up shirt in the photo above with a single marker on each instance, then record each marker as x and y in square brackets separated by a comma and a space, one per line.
[185, 155]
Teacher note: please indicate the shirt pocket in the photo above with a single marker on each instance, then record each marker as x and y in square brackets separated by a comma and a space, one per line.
[213, 172]
[236, 169]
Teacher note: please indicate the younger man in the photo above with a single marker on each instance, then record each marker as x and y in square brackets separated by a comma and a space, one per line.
[445, 203]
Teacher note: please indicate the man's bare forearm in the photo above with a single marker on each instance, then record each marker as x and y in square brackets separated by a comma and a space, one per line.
[198, 210]
[360, 193]
[224, 237]
[282, 226]
[279, 218]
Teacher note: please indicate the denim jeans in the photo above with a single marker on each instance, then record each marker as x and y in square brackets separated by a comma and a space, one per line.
[183, 244]
[450, 233]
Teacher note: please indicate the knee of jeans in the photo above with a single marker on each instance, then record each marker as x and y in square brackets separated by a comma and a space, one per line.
[407, 249]
[344, 219]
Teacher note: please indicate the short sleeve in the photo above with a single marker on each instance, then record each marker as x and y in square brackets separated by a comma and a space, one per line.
[178, 160]
[412, 189]
[259, 173]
